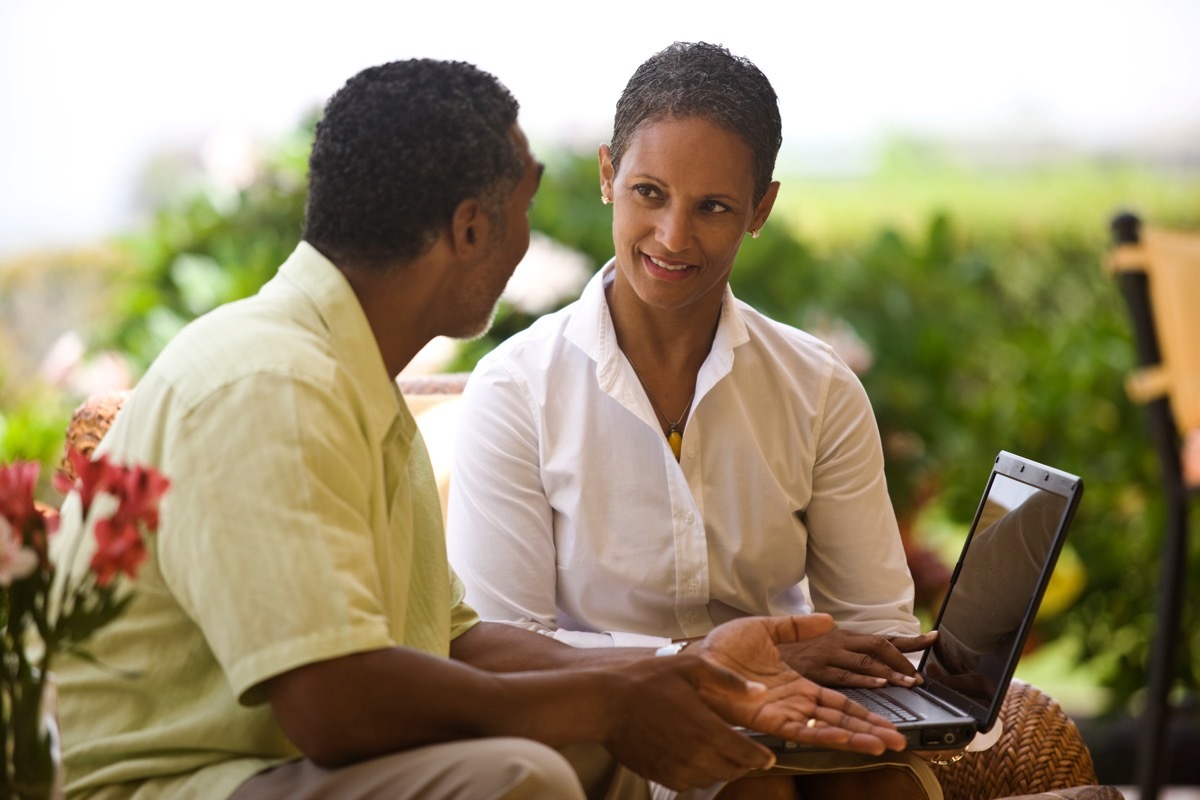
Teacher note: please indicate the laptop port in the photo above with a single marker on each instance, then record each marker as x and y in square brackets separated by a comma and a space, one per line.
[938, 738]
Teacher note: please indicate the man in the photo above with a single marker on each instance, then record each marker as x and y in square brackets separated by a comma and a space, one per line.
[296, 631]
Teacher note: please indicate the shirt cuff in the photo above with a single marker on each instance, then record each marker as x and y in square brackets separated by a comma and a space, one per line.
[611, 639]
[638, 640]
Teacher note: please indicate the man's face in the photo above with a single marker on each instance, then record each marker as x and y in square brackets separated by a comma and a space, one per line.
[484, 281]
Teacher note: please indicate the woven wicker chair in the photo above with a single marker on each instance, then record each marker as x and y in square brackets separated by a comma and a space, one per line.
[1040, 753]
[88, 424]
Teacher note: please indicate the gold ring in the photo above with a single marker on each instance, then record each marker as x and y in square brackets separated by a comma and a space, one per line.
[943, 761]
[812, 722]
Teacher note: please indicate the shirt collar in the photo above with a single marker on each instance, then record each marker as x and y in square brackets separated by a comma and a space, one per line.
[591, 330]
[351, 338]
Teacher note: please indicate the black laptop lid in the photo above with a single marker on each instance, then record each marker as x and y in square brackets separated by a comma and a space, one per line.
[998, 584]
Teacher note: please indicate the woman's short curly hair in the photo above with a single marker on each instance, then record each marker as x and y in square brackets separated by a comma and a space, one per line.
[398, 147]
[703, 80]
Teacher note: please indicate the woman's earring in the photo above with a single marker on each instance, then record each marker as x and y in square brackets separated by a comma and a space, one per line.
[604, 198]
[754, 233]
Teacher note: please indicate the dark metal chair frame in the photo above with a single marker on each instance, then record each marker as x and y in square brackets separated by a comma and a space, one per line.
[1152, 747]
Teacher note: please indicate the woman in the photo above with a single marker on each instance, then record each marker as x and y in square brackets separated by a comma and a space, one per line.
[658, 457]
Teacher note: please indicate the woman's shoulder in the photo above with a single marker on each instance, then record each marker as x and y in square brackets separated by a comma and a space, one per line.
[534, 354]
[774, 346]
[541, 333]
[771, 332]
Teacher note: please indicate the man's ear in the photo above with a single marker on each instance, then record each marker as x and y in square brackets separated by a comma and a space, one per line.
[468, 227]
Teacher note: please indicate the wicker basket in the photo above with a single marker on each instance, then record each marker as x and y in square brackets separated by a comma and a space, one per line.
[1040, 750]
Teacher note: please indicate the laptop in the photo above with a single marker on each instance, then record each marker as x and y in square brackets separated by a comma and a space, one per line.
[987, 613]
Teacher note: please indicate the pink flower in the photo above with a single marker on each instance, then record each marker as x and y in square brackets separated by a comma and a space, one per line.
[16, 562]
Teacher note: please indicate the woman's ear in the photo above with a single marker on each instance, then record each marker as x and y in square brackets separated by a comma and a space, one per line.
[763, 209]
[606, 173]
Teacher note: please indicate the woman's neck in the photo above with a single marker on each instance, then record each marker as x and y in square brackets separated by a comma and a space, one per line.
[655, 340]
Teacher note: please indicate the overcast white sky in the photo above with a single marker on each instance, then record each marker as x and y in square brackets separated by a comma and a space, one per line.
[89, 89]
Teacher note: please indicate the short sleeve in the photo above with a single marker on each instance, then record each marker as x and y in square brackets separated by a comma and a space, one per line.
[270, 548]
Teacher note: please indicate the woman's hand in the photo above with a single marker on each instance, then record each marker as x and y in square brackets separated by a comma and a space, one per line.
[841, 658]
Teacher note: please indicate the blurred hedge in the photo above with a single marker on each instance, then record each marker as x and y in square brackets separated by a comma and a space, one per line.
[978, 294]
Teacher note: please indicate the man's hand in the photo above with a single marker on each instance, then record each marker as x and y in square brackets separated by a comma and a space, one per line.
[840, 658]
[751, 648]
[665, 731]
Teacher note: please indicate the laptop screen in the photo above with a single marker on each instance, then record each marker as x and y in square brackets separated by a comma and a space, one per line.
[998, 583]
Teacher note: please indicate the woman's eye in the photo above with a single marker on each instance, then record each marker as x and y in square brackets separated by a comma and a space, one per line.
[714, 207]
[645, 190]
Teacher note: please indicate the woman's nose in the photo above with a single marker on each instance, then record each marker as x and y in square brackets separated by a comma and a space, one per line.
[674, 229]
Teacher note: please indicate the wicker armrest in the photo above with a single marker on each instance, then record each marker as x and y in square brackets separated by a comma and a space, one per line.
[1039, 754]
[440, 383]
[1076, 793]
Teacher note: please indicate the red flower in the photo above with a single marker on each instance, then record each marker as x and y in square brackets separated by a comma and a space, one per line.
[119, 548]
[85, 601]
[93, 478]
[17, 482]
[140, 491]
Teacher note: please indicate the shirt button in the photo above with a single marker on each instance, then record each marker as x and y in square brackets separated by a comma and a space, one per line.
[689, 518]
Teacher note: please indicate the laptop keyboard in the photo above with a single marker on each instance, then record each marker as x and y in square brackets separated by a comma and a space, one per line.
[881, 704]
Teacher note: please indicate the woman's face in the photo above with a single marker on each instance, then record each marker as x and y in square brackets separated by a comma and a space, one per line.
[682, 202]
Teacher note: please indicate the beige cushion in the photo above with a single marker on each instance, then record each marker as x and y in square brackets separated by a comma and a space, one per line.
[434, 401]
[1171, 261]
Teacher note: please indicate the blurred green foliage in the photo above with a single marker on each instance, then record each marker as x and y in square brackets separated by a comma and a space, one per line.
[209, 247]
[31, 429]
[42, 295]
[978, 293]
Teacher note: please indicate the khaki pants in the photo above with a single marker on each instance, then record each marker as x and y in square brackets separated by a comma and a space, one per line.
[518, 769]
[476, 769]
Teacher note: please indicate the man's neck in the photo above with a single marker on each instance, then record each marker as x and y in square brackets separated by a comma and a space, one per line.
[397, 311]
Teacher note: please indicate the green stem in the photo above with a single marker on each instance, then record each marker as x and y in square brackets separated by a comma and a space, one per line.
[7, 705]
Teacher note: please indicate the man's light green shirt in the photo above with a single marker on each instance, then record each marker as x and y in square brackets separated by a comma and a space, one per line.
[302, 524]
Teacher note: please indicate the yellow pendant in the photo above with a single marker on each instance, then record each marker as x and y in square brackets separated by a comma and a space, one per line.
[675, 439]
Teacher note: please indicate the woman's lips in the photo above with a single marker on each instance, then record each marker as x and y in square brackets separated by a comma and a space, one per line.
[668, 270]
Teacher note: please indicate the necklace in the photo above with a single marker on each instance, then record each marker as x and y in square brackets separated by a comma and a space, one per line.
[674, 436]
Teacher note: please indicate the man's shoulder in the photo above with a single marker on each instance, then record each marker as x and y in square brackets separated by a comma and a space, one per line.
[242, 339]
